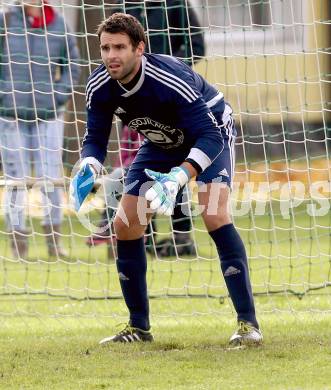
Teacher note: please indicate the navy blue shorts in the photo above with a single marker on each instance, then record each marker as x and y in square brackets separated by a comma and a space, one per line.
[160, 160]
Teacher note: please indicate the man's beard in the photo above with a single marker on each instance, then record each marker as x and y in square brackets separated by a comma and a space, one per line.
[121, 77]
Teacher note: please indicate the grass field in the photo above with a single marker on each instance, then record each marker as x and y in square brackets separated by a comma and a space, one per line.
[188, 354]
[49, 341]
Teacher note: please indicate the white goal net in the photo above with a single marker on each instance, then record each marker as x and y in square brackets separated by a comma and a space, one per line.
[271, 59]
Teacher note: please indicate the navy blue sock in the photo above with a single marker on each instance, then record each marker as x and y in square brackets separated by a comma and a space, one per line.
[235, 271]
[132, 268]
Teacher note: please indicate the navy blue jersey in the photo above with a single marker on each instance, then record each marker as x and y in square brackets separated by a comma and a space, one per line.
[171, 105]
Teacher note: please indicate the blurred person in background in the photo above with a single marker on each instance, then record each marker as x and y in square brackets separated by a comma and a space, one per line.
[39, 67]
[172, 28]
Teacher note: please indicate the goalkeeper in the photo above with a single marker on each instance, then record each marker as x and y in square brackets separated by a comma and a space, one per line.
[189, 132]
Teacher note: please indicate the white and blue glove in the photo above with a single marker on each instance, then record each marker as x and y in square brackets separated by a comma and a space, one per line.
[164, 192]
[83, 182]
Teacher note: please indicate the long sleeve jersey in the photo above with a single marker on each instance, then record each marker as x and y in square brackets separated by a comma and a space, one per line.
[171, 105]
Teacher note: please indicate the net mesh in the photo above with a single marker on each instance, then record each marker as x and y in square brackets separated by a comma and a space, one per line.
[271, 59]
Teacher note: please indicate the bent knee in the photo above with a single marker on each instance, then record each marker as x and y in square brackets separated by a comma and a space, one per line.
[120, 226]
[214, 222]
[126, 230]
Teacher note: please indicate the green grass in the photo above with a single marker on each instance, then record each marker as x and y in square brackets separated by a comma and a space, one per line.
[190, 353]
[53, 313]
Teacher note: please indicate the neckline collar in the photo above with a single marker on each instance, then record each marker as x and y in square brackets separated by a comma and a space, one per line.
[140, 81]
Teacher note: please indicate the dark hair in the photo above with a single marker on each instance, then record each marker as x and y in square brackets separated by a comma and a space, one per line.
[123, 23]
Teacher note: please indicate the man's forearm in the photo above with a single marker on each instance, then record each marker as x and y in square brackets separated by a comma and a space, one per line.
[190, 168]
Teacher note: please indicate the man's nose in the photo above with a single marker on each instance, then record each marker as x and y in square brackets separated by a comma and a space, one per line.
[111, 53]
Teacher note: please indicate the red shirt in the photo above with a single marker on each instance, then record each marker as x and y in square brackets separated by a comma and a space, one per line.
[47, 17]
[130, 143]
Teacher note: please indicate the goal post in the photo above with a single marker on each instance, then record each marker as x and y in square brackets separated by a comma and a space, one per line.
[271, 59]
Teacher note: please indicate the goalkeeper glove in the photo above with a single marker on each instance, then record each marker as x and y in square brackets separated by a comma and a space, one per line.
[164, 192]
[83, 182]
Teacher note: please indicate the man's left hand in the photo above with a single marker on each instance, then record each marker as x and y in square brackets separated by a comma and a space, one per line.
[164, 192]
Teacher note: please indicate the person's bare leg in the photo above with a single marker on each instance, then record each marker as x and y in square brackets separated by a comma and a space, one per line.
[131, 218]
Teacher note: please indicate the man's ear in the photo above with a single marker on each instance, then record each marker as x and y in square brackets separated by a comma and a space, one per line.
[141, 48]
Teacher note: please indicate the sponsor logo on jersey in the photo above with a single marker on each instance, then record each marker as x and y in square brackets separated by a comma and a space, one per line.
[160, 134]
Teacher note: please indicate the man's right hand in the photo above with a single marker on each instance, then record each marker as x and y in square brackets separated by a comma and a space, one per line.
[83, 182]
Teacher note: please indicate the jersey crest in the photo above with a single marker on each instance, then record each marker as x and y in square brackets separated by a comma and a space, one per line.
[160, 134]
